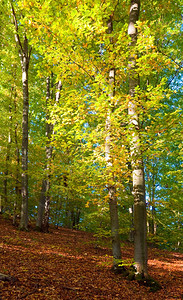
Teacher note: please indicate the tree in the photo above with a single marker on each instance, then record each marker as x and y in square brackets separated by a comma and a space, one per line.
[11, 107]
[106, 127]
[42, 222]
[116, 249]
[24, 54]
[44, 196]
[140, 242]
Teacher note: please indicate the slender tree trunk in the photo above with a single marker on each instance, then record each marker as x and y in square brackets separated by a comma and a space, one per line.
[47, 207]
[24, 54]
[116, 249]
[131, 233]
[68, 220]
[153, 222]
[49, 132]
[68, 207]
[131, 209]
[41, 206]
[49, 148]
[77, 218]
[140, 243]
[17, 200]
[6, 173]
[24, 193]
[42, 222]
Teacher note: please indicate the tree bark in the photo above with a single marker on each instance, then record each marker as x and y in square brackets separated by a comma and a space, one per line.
[17, 200]
[24, 54]
[6, 173]
[140, 243]
[42, 222]
[24, 192]
[153, 211]
[41, 206]
[116, 249]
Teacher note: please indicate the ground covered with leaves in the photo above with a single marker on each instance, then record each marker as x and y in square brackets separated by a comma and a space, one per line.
[69, 264]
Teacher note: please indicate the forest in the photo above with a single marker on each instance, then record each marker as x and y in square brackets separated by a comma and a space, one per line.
[91, 97]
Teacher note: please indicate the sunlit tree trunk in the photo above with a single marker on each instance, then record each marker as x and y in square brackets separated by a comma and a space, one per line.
[116, 249]
[17, 200]
[49, 149]
[41, 205]
[131, 209]
[24, 54]
[42, 222]
[140, 231]
[25, 66]
[7, 160]
[151, 213]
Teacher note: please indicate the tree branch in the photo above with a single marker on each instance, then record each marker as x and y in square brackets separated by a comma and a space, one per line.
[17, 37]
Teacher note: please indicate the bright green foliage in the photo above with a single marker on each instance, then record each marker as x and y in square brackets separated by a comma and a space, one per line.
[70, 40]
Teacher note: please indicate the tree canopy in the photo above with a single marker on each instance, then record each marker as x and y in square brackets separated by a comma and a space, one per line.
[72, 43]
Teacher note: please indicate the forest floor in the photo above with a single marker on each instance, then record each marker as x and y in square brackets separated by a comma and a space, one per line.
[69, 264]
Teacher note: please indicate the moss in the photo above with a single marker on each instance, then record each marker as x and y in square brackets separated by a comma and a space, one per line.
[130, 274]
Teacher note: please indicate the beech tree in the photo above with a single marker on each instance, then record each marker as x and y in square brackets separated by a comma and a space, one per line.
[42, 222]
[82, 31]
[24, 54]
[140, 240]
[116, 249]
[117, 122]
[10, 90]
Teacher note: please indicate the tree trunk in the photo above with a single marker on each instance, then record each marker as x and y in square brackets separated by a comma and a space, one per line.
[6, 173]
[68, 221]
[77, 218]
[49, 148]
[17, 200]
[140, 243]
[131, 209]
[116, 249]
[47, 207]
[24, 54]
[151, 187]
[41, 206]
[153, 222]
[24, 192]
[42, 222]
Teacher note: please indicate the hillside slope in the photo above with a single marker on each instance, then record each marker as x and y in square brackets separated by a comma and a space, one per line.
[68, 264]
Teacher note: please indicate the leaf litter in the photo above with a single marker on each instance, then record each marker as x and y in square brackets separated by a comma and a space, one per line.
[70, 264]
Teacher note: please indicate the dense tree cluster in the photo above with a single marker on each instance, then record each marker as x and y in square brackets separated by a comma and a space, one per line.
[91, 118]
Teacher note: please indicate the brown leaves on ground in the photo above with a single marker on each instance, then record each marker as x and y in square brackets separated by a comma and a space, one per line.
[68, 264]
